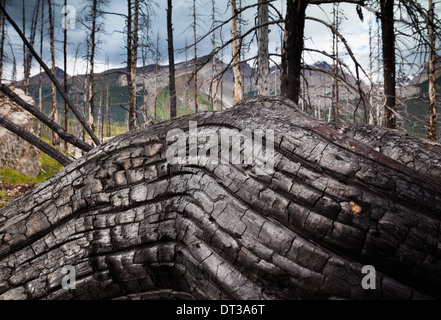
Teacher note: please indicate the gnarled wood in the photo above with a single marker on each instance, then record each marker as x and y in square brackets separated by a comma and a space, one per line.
[340, 198]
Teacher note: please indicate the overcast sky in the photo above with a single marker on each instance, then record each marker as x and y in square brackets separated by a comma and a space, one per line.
[112, 40]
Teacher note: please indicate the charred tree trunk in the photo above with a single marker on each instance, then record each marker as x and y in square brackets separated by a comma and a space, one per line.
[40, 76]
[236, 54]
[25, 82]
[132, 57]
[263, 54]
[129, 222]
[155, 98]
[195, 62]
[92, 67]
[214, 62]
[28, 64]
[2, 41]
[66, 107]
[55, 140]
[389, 71]
[432, 76]
[171, 60]
[293, 49]
[335, 108]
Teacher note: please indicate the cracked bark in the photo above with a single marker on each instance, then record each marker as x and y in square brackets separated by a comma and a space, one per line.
[132, 225]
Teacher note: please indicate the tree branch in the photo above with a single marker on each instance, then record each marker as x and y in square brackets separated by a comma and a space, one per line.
[35, 141]
[42, 117]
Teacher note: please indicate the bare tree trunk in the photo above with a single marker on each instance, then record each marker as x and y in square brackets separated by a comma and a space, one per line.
[28, 64]
[40, 76]
[372, 115]
[236, 54]
[85, 95]
[25, 83]
[214, 63]
[379, 110]
[240, 22]
[14, 67]
[263, 54]
[55, 140]
[109, 133]
[387, 26]
[292, 49]
[100, 115]
[334, 108]
[133, 69]
[171, 60]
[432, 77]
[186, 92]
[207, 231]
[132, 48]
[222, 82]
[195, 68]
[144, 89]
[66, 107]
[155, 106]
[2, 41]
[92, 66]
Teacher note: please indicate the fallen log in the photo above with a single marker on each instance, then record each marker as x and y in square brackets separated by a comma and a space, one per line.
[129, 222]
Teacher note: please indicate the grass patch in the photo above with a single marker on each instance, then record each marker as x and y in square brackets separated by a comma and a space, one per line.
[4, 198]
[21, 183]
[13, 177]
[49, 168]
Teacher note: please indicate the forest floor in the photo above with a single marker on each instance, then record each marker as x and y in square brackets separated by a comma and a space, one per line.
[9, 192]
[13, 184]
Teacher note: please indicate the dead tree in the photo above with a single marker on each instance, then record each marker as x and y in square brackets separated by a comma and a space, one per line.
[432, 77]
[171, 60]
[66, 107]
[132, 58]
[293, 45]
[55, 140]
[236, 53]
[51, 76]
[263, 54]
[92, 48]
[129, 222]
[335, 107]
[25, 82]
[2, 41]
[293, 49]
[389, 61]
[155, 90]
[40, 75]
[214, 62]
[195, 61]
[28, 57]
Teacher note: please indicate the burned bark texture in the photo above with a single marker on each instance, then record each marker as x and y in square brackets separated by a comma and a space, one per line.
[293, 49]
[340, 198]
